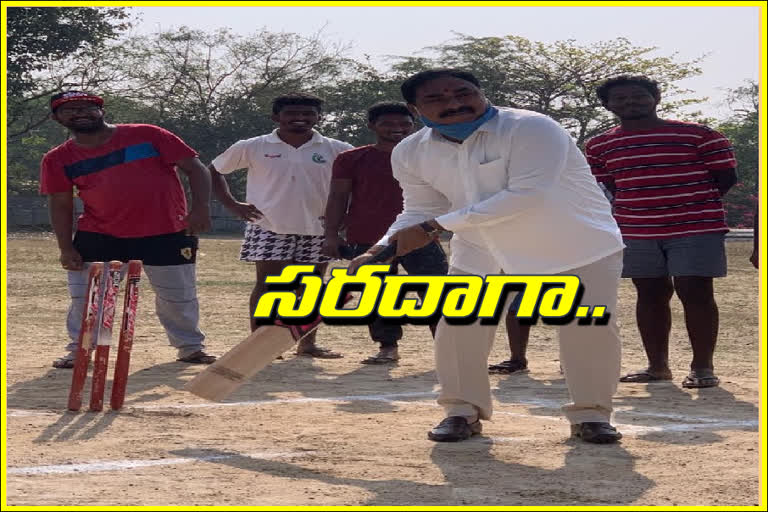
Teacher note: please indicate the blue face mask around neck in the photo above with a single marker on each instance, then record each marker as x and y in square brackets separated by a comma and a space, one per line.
[461, 131]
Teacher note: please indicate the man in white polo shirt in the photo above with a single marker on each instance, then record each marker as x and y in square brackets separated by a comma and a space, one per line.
[289, 176]
[520, 199]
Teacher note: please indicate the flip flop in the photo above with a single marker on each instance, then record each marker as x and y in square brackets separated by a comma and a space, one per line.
[320, 353]
[694, 380]
[642, 376]
[380, 360]
[198, 357]
[64, 363]
[509, 366]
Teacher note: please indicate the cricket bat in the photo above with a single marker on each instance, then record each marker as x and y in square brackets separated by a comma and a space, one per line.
[253, 354]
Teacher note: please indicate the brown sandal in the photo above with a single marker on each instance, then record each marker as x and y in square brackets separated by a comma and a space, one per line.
[320, 353]
[379, 359]
[701, 379]
[199, 357]
[643, 376]
[509, 366]
[64, 363]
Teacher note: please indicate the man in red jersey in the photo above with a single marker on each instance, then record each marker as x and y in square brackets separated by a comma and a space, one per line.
[668, 179]
[134, 208]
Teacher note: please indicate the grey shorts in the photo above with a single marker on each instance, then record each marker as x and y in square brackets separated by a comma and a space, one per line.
[263, 245]
[693, 256]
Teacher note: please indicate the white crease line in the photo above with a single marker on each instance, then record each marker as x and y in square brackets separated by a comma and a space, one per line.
[300, 400]
[392, 398]
[684, 427]
[554, 404]
[707, 424]
[627, 428]
[510, 439]
[119, 465]
[12, 413]
[625, 410]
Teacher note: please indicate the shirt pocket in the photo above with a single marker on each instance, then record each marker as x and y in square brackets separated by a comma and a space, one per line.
[491, 177]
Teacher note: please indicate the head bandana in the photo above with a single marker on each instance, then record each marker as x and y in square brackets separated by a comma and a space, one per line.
[65, 97]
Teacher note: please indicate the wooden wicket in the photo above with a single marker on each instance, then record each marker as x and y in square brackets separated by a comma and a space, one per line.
[120, 380]
[104, 338]
[85, 341]
[96, 333]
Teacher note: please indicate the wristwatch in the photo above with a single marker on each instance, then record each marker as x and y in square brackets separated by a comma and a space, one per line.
[429, 228]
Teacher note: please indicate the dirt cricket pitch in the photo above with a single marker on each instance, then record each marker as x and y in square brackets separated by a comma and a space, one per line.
[335, 432]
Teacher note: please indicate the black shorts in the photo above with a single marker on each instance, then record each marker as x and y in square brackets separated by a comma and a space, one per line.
[160, 250]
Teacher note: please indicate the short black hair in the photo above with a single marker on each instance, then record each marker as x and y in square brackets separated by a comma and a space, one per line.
[604, 89]
[387, 107]
[409, 87]
[296, 98]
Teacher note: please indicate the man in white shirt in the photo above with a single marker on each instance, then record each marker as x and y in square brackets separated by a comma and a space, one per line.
[520, 198]
[289, 176]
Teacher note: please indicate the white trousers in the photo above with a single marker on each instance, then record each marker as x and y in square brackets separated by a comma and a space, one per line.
[590, 354]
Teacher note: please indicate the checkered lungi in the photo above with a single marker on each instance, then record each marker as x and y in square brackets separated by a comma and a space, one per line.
[262, 245]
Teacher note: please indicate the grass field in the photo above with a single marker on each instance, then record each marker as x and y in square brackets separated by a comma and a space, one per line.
[335, 432]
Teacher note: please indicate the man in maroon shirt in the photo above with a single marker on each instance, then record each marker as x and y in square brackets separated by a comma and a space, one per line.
[134, 208]
[667, 178]
[366, 199]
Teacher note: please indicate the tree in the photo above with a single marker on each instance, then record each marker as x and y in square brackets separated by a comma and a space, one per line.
[43, 43]
[214, 88]
[743, 130]
[211, 88]
[38, 36]
[558, 79]
[349, 97]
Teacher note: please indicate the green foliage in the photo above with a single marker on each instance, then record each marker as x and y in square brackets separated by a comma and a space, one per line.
[743, 130]
[213, 88]
[25, 152]
[349, 98]
[40, 36]
[51, 49]
[558, 79]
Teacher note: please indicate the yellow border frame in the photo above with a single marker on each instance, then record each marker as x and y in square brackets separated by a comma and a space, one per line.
[763, 273]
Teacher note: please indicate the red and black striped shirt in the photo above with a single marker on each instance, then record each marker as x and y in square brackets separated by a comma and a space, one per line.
[664, 188]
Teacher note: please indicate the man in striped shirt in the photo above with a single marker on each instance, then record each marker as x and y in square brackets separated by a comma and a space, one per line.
[668, 179]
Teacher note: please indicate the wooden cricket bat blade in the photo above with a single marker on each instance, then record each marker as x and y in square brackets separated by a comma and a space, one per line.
[243, 361]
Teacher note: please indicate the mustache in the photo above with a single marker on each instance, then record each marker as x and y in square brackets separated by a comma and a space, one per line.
[89, 128]
[461, 110]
